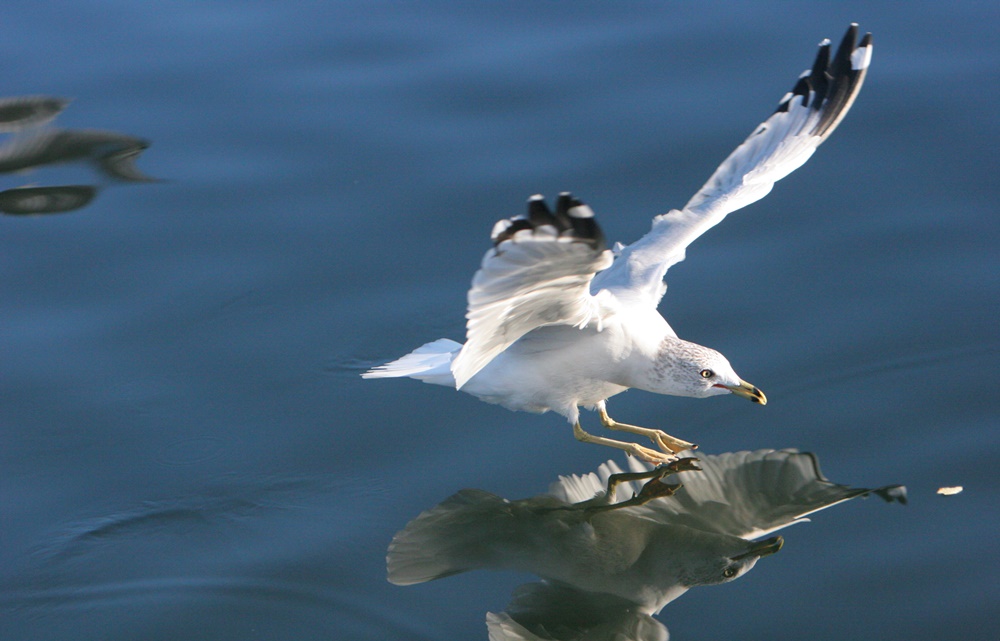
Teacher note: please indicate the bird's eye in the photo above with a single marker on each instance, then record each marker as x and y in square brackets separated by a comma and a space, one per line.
[707, 373]
[729, 572]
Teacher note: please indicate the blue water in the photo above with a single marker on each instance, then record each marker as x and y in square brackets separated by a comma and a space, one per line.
[187, 450]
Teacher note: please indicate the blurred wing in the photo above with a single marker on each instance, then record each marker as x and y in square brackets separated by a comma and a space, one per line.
[544, 610]
[447, 539]
[748, 494]
[537, 274]
[805, 117]
[120, 163]
[23, 112]
[474, 530]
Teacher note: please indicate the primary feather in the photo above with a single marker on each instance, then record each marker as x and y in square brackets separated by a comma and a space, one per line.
[805, 117]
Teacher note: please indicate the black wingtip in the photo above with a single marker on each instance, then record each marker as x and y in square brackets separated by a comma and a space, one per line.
[832, 83]
[842, 59]
[572, 219]
[850, 36]
[822, 60]
[819, 79]
[802, 88]
[584, 225]
[506, 229]
[538, 211]
[563, 203]
[579, 209]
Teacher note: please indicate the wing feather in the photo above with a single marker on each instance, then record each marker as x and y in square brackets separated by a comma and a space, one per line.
[744, 494]
[538, 274]
[805, 117]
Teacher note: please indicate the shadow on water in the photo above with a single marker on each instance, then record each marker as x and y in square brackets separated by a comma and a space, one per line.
[613, 548]
[35, 144]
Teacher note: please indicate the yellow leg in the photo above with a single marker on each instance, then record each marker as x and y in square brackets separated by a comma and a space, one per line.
[655, 474]
[644, 453]
[654, 488]
[660, 438]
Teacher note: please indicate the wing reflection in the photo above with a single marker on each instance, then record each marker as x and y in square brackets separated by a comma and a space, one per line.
[23, 112]
[34, 145]
[111, 152]
[49, 200]
[614, 548]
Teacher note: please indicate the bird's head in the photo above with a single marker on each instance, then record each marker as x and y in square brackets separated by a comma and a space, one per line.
[722, 558]
[687, 369]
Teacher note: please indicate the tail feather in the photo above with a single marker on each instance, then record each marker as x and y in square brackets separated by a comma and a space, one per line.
[450, 538]
[430, 363]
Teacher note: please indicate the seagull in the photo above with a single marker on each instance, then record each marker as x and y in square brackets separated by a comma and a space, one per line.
[557, 322]
[608, 562]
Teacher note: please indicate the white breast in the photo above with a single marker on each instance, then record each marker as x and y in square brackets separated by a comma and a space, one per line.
[557, 368]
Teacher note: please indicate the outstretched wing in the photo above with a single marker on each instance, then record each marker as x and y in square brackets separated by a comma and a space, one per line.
[538, 273]
[744, 494]
[805, 117]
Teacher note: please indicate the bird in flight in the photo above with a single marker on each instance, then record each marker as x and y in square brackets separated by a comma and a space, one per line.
[557, 322]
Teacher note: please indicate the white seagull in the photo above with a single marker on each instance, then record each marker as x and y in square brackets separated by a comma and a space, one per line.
[557, 322]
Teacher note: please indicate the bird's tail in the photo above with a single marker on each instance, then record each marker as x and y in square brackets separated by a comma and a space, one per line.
[430, 363]
[452, 537]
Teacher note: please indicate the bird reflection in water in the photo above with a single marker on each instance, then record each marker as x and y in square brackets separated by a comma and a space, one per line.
[613, 548]
[35, 144]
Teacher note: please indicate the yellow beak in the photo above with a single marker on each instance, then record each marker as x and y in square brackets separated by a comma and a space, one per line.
[762, 548]
[746, 390]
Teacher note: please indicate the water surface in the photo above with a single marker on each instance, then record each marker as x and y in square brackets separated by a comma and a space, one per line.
[187, 449]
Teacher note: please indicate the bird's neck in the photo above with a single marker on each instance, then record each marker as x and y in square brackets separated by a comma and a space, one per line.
[647, 333]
